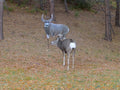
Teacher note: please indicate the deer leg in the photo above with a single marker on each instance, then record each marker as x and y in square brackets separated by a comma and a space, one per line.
[63, 58]
[68, 61]
[73, 56]
[48, 40]
[48, 43]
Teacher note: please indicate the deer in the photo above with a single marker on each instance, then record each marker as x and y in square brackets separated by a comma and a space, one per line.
[67, 46]
[52, 29]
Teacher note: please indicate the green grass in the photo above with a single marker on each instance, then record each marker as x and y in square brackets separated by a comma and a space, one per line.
[15, 79]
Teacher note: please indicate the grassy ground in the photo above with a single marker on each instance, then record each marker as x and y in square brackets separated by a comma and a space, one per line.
[27, 64]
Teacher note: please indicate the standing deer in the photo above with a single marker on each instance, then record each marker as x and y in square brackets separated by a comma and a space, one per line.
[52, 29]
[67, 46]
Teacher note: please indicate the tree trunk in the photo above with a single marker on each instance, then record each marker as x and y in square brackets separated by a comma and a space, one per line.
[108, 26]
[19, 2]
[41, 4]
[51, 7]
[66, 7]
[5, 3]
[117, 17]
[1, 19]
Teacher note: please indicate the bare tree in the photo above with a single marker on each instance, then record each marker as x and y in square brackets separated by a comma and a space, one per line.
[52, 8]
[5, 4]
[19, 2]
[66, 6]
[108, 26]
[42, 4]
[117, 17]
[1, 19]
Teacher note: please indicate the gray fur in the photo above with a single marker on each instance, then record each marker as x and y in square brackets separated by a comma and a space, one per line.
[52, 29]
[64, 45]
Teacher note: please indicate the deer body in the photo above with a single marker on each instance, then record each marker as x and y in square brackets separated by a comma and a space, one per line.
[52, 29]
[67, 46]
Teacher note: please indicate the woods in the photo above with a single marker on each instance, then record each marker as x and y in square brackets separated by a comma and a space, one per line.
[83, 4]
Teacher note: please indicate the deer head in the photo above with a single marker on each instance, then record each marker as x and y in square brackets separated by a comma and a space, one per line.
[46, 22]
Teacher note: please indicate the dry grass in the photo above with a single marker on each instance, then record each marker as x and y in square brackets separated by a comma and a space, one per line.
[25, 62]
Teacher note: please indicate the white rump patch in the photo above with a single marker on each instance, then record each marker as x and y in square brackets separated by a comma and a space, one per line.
[72, 45]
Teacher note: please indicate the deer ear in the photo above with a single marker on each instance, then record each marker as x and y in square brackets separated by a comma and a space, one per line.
[42, 18]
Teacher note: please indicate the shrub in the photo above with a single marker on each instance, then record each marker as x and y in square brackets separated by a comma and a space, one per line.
[81, 4]
[20, 2]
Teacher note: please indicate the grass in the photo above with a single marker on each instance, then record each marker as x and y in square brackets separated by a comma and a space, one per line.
[76, 13]
[90, 79]
[34, 10]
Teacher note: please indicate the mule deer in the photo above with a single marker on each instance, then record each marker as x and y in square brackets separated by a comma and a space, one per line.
[67, 46]
[52, 29]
